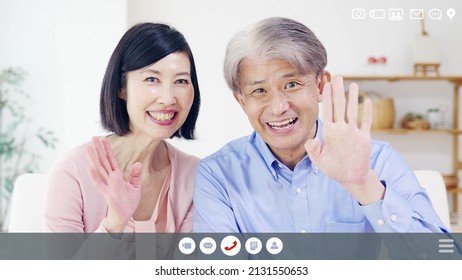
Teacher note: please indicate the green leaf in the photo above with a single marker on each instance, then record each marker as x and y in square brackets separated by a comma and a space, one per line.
[9, 185]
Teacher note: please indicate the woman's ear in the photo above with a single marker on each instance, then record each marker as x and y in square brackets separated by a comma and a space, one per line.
[123, 94]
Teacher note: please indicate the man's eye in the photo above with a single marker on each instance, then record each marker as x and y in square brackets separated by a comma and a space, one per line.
[291, 85]
[259, 90]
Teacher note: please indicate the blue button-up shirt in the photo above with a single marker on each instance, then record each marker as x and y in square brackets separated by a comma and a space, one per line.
[243, 187]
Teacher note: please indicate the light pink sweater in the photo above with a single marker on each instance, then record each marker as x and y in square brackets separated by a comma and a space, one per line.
[73, 205]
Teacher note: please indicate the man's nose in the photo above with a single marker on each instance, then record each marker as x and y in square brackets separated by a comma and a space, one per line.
[279, 103]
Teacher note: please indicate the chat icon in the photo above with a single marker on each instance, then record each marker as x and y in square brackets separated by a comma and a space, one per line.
[208, 245]
[435, 14]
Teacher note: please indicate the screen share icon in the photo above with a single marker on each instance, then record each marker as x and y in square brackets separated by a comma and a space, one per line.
[395, 14]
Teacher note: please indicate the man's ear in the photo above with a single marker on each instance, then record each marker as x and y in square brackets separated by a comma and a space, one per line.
[123, 94]
[323, 78]
[240, 99]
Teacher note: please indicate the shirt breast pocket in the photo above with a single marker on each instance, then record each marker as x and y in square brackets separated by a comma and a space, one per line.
[362, 226]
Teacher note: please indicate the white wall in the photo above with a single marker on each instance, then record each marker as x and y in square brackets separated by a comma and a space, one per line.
[65, 45]
[208, 25]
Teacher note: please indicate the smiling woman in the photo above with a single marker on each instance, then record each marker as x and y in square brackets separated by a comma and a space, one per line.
[132, 180]
[159, 96]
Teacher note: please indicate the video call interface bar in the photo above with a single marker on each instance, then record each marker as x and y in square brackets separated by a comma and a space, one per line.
[241, 246]
[399, 14]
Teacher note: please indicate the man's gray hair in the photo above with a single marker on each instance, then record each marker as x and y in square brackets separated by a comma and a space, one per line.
[274, 38]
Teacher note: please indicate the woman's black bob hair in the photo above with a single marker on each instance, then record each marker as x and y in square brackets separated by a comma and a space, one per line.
[141, 46]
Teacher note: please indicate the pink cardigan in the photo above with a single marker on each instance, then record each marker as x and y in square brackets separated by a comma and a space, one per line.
[73, 205]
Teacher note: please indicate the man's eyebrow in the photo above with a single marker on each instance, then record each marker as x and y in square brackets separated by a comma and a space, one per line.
[288, 75]
[252, 83]
[292, 74]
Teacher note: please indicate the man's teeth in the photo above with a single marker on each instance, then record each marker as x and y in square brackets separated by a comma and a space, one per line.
[283, 124]
[162, 116]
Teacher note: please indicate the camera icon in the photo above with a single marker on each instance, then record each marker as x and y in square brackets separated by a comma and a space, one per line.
[358, 13]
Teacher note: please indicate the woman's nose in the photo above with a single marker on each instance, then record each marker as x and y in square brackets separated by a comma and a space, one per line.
[167, 96]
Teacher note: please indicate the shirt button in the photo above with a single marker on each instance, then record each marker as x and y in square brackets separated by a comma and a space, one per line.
[393, 218]
[380, 222]
[298, 190]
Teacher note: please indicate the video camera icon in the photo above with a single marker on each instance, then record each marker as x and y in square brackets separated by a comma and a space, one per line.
[187, 245]
[377, 14]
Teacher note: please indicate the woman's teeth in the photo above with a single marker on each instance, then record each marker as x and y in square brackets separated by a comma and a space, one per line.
[161, 116]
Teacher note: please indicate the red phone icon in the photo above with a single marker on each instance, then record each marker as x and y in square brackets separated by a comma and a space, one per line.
[229, 248]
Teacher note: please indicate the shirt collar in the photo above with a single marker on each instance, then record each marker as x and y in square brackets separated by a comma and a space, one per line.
[268, 157]
[270, 160]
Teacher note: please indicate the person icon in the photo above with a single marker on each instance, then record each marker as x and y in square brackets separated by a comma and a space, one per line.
[274, 245]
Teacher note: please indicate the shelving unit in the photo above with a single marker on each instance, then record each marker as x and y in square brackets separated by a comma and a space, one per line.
[451, 180]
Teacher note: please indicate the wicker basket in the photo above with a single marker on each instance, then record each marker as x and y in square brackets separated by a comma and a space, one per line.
[414, 121]
[383, 110]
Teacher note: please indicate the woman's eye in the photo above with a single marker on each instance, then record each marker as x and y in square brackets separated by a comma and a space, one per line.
[182, 81]
[151, 79]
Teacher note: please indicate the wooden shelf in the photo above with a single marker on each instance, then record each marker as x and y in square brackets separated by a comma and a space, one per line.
[452, 181]
[452, 79]
[408, 131]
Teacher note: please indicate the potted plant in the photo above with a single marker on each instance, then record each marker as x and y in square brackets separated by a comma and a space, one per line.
[414, 121]
[17, 136]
